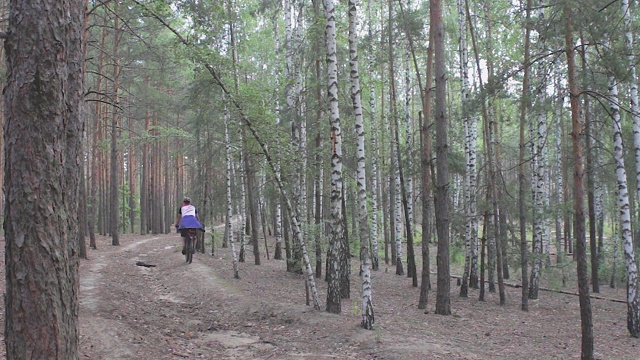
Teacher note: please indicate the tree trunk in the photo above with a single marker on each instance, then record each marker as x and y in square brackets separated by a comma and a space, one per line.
[229, 217]
[253, 207]
[469, 146]
[363, 215]
[82, 211]
[633, 293]
[337, 223]
[443, 301]
[578, 198]
[114, 175]
[43, 98]
[590, 178]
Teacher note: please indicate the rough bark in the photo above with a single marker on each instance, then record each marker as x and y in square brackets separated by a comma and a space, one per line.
[42, 97]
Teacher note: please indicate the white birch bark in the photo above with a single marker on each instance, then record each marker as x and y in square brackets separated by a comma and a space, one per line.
[473, 199]
[614, 259]
[301, 119]
[229, 231]
[539, 172]
[633, 294]
[633, 302]
[277, 231]
[558, 178]
[409, 139]
[374, 153]
[363, 218]
[337, 224]
[243, 207]
[471, 139]
[397, 213]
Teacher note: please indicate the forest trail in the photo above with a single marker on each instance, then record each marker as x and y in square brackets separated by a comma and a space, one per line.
[155, 312]
[176, 310]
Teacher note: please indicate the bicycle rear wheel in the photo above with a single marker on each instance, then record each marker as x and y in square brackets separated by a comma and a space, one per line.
[189, 254]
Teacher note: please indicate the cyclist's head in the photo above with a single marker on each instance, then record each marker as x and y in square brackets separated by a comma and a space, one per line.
[186, 200]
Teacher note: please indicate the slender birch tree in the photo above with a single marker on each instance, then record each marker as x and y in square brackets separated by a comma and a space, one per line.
[337, 223]
[471, 137]
[374, 152]
[633, 291]
[625, 210]
[229, 217]
[363, 215]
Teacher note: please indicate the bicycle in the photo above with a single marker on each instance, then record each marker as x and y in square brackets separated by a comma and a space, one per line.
[190, 247]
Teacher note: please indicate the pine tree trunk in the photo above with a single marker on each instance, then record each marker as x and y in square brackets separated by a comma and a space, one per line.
[43, 98]
[588, 125]
[114, 176]
[443, 301]
[427, 165]
[578, 173]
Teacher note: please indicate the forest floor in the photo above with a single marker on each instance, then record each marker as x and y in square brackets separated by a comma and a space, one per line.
[176, 310]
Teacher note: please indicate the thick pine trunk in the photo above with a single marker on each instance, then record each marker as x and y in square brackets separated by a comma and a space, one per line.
[43, 96]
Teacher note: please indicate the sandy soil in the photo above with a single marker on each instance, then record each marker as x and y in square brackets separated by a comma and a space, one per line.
[176, 310]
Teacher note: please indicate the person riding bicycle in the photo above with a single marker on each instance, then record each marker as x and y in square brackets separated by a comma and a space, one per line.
[187, 219]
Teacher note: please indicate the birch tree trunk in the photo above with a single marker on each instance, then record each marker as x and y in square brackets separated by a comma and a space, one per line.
[471, 136]
[625, 213]
[363, 218]
[319, 162]
[539, 174]
[374, 153]
[633, 293]
[406, 176]
[277, 229]
[337, 224]
[229, 217]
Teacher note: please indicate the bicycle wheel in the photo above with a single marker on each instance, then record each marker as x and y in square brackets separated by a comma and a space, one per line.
[190, 249]
[187, 248]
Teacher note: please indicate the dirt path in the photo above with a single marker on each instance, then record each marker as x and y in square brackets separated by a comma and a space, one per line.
[199, 311]
[179, 310]
[170, 310]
